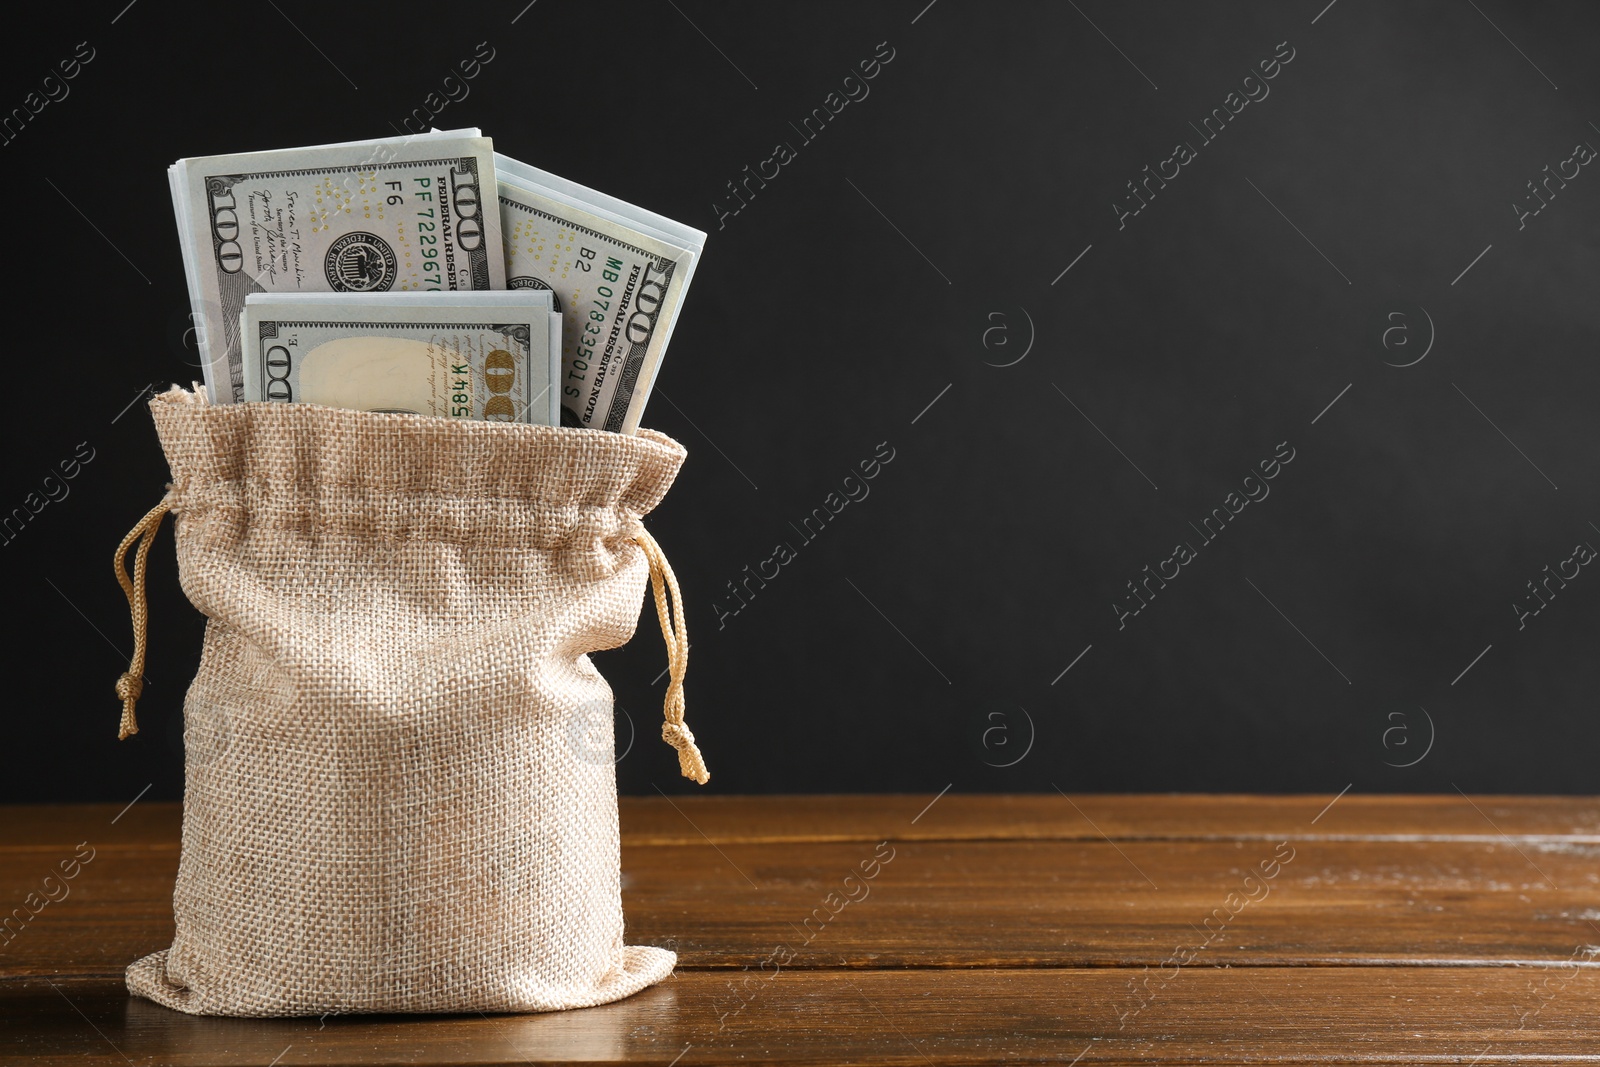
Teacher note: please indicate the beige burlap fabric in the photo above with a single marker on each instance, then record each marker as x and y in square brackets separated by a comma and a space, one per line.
[400, 794]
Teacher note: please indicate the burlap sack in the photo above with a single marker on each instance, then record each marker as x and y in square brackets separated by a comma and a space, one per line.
[388, 806]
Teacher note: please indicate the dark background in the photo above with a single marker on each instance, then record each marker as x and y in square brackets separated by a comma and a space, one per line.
[905, 255]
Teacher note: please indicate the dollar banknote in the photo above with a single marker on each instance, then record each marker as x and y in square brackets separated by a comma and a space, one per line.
[619, 274]
[489, 356]
[400, 214]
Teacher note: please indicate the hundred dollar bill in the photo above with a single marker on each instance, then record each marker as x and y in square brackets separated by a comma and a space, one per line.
[396, 214]
[619, 274]
[487, 356]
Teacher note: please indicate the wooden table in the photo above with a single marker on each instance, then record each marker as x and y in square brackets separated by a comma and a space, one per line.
[992, 929]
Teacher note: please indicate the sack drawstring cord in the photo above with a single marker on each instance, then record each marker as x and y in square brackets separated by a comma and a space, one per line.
[675, 632]
[131, 684]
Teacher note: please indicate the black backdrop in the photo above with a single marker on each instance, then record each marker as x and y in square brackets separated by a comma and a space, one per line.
[1071, 359]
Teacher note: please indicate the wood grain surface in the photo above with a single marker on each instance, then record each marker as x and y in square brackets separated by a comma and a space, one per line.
[993, 929]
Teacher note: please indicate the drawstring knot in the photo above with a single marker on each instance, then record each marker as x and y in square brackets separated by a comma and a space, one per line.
[131, 684]
[677, 735]
[675, 632]
[129, 687]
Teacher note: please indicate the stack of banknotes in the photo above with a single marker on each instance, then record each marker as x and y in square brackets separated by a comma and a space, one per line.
[427, 274]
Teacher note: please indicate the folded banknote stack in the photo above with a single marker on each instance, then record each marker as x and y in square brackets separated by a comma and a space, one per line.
[427, 274]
